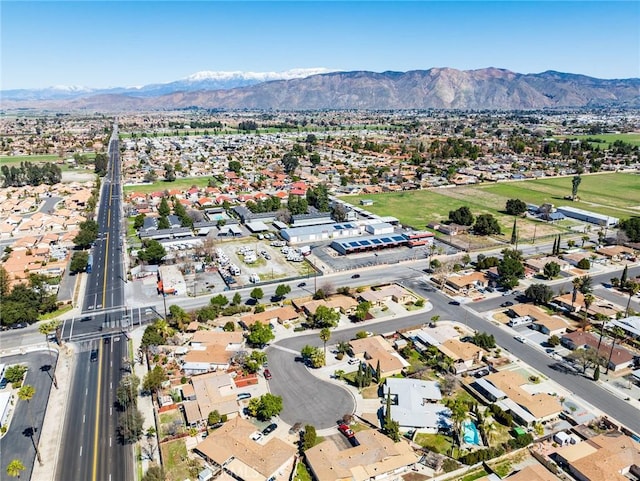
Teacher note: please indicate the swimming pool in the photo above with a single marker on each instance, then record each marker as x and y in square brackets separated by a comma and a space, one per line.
[471, 434]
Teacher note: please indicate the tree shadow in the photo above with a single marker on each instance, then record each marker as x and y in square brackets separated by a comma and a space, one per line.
[47, 369]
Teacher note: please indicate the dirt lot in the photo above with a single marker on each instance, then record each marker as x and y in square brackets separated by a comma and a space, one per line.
[277, 267]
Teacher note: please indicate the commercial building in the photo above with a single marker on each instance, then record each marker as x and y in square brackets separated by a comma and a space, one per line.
[368, 243]
[588, 216]
[315, 233]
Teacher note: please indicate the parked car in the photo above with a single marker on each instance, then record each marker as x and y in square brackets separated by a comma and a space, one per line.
[3, 383]
[455, 303]
[269, 429]
[243, 395]
[302, 284]
[346, 430]
[267, 374]
[507, 304]
[520, 339]
[355, 276]
[19, 325]
[257, 436]
[353, 360]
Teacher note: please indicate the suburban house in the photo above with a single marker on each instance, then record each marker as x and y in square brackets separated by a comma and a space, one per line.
[467, 282]
[214, 391]
[279, 315]
[631, 325]
[231, 450]
[211, 350]
[340, 303]
[537, 264]
[566, 301]
[416, 404]
[377, 350]
[605, 457]
[543, 322]
[377, 457]
[617, 253]
[620, 357]
[505, 388]
[379, 297]
[463, 354]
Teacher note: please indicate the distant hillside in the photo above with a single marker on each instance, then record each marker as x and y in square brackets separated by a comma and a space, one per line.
[442, 88]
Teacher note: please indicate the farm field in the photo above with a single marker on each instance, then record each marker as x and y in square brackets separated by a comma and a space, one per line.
[615, 194]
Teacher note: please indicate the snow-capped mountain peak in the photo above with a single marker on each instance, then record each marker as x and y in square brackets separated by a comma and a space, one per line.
[255, 76]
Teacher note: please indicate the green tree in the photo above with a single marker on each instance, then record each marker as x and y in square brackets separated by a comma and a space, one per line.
[486, 224]
[510, 269]
[79, 262]
[624, 275]
[127, 391]
[260, 334]
[15, 374]
[391, 427]
[163, 209]
[130, 425]
[26, 393]
[309, 437]
[268, 406]
[47, 328]
[585, 358]
[282, 290]
[325, 335]
[596, 373]
[153, 379]
[462, 216]
[631, 227]
[256, 294]
[237, 299]
[213, 418]
[153, 252]
[584, 264]
[515, 207]
[362, 311]
[539, 293]
[575, 183]
[14, 468]
[551, 270]
[553, 341]
[5, 287]
[138, 222]
[325, 317]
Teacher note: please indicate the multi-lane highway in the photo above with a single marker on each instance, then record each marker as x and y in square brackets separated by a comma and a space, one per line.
[91, 450]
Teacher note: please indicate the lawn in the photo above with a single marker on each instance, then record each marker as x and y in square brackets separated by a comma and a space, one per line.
[614, 194]
[302, 474]
[181, 183]
[174, 458]
[437, 443]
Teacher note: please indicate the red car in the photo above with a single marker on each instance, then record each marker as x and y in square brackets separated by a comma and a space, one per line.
[346, 430]
[267, 374]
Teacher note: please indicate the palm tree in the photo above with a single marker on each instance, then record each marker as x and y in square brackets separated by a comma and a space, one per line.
[576, 283]
[586, 286]
[489, 426]
[325, 335]
[14, 468]
[46, 329]
[617, 331]
[634, 287]
[588, 300]
[26, 393]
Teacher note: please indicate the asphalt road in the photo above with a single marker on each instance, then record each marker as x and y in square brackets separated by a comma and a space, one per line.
[305, 398]
[16, 444]
[295, 409]
[91, 450]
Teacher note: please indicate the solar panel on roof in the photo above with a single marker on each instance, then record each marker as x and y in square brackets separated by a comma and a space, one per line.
[398, 238]
[353, 244]
[365, 243]
[376, 241]
[385, 239]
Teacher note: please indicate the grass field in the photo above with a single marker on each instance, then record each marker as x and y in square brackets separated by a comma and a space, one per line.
[182, 183]
[16, 159]
[615, 194]
[174, 456]
[633, 138]
[437, 443]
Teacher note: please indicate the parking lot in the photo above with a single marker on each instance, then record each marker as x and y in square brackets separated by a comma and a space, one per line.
[257, 261]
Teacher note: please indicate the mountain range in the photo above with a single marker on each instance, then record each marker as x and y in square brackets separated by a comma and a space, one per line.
[300, 89]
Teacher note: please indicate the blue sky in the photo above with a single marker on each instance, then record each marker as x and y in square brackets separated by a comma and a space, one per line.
[120, 43]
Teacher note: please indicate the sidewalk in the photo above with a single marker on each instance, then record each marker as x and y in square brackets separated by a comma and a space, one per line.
[54, 420]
